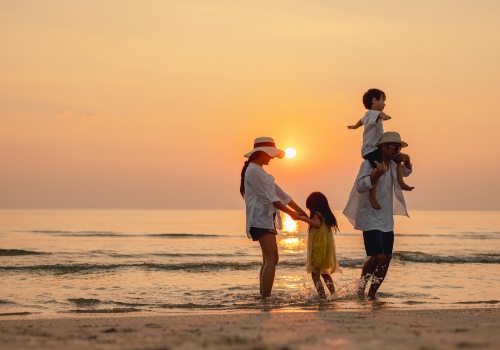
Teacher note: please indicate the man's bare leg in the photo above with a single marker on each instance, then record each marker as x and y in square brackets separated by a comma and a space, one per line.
[270, 254]
[319, 285]
[379, 275]
[368, 269]
[373, 197]
[401, 182]
[329, 282]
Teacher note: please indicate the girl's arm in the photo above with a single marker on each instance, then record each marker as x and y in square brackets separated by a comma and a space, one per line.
[314, 222]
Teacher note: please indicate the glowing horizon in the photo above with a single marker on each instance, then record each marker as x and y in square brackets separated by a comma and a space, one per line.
[153, 105]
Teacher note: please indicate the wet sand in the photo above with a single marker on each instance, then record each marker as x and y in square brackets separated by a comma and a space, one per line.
[366, 329]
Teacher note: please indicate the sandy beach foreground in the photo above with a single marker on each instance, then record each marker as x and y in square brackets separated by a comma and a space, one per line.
[370, 329]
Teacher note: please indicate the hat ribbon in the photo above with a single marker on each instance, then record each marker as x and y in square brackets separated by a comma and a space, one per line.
[264, 144]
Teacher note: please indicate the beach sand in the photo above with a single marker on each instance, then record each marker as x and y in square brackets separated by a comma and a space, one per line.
[373, 328]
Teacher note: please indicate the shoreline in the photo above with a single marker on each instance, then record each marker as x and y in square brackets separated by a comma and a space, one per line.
[477, 328]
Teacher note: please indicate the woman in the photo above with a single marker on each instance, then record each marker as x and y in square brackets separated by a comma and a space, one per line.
[263, 199]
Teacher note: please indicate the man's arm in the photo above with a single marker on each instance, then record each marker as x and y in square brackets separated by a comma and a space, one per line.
[407, 166]
[357, 125]
[367, 176]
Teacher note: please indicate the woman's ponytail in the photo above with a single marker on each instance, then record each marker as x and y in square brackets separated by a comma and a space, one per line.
[252, 157]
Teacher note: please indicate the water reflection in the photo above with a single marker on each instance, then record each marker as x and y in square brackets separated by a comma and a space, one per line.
[292, 245]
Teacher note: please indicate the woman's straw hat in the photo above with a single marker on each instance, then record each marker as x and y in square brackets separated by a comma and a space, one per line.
[266, 144]
[391, 137]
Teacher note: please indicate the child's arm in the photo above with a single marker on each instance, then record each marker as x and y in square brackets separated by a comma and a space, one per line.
[382, 116]
[358, 124]
[314, 222]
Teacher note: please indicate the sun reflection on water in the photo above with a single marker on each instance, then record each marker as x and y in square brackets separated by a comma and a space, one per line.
[293, 245]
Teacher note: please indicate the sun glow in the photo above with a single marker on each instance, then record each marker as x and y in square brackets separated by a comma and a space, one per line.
[290, 152]
[289, 225]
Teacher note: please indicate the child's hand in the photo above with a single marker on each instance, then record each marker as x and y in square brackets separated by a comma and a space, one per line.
[384, 116]
[302, 217]
[381, 167]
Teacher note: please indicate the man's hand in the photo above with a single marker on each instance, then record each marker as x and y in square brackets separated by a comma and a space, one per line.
[384, 116]
[294, 215]
[403, 158]
[352, 127]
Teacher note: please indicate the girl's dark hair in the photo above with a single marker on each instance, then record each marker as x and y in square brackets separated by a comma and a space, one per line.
[317, 203]
[370, 95]
[252, 157]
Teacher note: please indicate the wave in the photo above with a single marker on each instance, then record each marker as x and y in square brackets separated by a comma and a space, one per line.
[82, 302]
[203, 266]
[119, 234]
[420, 257]
[16, 252]
[479, 302]
[16, 313]
[106, 311]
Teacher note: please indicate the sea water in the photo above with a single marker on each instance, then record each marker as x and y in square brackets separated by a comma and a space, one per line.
[116, 261]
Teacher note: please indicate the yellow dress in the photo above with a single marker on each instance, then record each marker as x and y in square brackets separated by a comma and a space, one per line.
[321, 254]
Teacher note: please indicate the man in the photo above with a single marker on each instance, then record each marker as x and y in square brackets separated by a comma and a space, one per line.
[378, 225]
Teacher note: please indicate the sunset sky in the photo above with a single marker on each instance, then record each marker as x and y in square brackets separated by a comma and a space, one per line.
[152, 104]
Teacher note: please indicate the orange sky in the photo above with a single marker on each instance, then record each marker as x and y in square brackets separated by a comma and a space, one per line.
[152, 104]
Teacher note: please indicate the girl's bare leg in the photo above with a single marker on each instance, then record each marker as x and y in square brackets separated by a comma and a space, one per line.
[268, 270]
[319, 285]
[329, 282]
[401, 182]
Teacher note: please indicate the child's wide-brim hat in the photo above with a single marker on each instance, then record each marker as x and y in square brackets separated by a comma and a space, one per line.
[266, 144]
[391, 137]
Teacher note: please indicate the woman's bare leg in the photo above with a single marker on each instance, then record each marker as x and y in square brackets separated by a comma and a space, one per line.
[329, 282]
[319, 285]
[270, 254]
[260, 273]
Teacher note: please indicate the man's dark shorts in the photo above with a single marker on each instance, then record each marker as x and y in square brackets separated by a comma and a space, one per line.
[378, 242]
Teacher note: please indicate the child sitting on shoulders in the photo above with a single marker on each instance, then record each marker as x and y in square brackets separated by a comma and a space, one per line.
[374, 101]
[321, 254]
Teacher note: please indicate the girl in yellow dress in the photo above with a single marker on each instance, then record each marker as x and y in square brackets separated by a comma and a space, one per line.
[321, 255]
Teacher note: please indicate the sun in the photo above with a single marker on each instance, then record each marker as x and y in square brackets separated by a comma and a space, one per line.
[290, 152]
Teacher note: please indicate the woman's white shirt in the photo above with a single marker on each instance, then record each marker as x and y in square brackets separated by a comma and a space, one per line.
[260, 193]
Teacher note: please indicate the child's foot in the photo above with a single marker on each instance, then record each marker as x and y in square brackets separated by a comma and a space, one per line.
[405, 187]
[374, 203]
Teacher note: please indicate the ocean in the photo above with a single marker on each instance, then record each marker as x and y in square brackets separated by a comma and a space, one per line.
[176, 261]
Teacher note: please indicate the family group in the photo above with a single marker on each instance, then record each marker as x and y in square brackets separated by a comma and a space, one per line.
[375, 197]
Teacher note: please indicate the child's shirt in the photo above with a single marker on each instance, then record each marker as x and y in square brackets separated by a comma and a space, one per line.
[373, 131]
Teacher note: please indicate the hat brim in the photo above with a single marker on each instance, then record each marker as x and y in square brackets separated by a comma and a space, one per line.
[271, 151]
[402, 143]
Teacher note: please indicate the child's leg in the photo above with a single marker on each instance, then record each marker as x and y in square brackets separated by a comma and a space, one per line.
[373, 196]
[319, 285]
[329, 282]
[399, 171]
